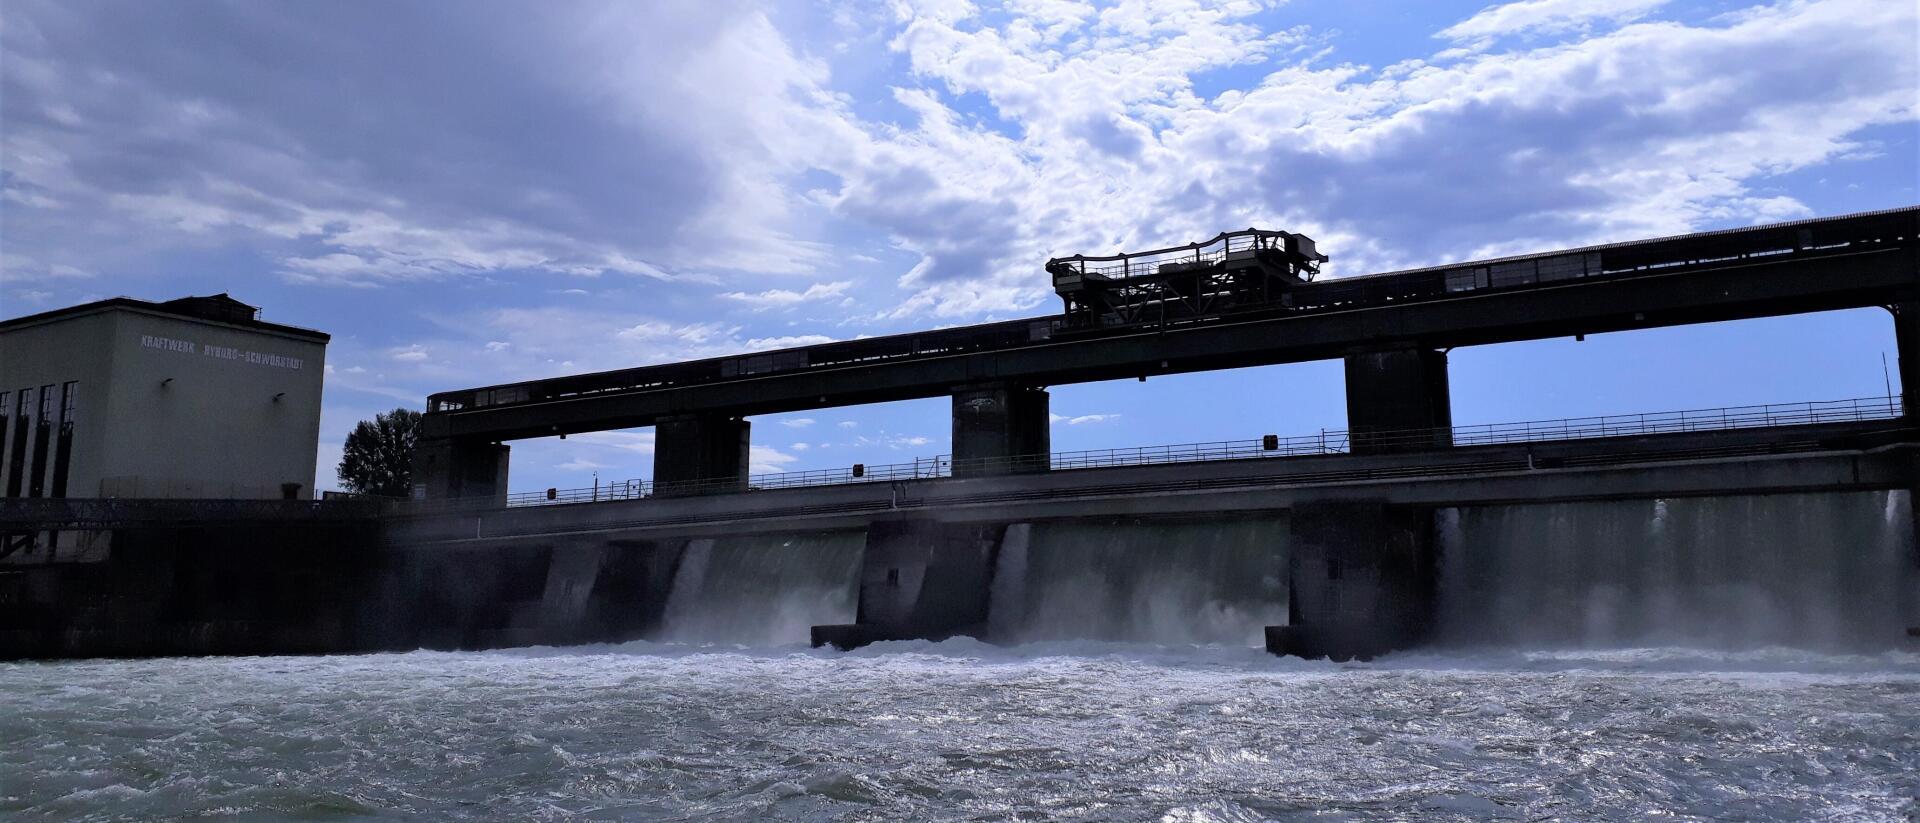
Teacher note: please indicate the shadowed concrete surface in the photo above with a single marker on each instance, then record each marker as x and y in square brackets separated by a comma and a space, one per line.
[1341, 554]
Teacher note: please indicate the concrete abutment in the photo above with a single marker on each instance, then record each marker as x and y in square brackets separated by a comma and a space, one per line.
[447, 468]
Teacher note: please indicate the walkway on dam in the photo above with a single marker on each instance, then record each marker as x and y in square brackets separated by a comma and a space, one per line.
[1325, 442]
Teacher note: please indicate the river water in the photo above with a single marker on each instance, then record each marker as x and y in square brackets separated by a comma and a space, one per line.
[962, 730]
[1597, 661]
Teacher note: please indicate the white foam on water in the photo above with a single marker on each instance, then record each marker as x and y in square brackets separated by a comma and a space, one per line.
[964, 730]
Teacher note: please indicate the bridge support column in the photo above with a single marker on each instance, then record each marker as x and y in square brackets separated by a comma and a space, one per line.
[700, 454]
[1361, 580]
[1906, 335]
[999, 429]
[1398, 400]
[920, 581]
[447, 469]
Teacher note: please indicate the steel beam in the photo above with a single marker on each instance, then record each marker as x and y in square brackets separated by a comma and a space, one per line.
[1651, 300]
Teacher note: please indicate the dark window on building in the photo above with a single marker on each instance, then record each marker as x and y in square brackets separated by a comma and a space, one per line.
[63, 440]
[17, 453]
[42, 438]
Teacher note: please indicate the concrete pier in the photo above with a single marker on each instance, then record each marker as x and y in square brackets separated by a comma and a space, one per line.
[996, 422]
[1398, 400]
[700, 454]
[1362, 580]
[447, 468]
[920, 580]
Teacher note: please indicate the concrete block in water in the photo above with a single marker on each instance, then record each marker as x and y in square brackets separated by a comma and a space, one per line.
[1362, 581]
[844, 636]
[919, 580]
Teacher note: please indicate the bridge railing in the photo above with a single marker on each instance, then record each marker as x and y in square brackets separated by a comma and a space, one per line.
[1325, 442]
[1670, 422]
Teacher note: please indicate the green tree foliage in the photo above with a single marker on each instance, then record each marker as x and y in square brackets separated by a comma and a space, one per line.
[378, 458]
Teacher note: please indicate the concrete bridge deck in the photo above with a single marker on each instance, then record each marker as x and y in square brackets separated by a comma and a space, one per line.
[1392, 330]
[1847, 456]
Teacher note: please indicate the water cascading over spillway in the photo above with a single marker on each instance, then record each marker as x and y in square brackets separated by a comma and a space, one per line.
[1167, 582]
[764, 590]
[1821, 571]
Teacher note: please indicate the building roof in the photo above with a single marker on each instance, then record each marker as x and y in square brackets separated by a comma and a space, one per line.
[217, 308]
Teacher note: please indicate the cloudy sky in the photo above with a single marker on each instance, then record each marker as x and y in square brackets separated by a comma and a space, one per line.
[473, 194]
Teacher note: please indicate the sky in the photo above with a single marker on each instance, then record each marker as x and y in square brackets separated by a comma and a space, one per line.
[472, 194]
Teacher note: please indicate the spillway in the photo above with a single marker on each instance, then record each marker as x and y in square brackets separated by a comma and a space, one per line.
[1213, 582]
[765, 590]
[1822, 571]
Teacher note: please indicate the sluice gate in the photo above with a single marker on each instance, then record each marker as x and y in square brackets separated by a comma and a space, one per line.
[1799, 535]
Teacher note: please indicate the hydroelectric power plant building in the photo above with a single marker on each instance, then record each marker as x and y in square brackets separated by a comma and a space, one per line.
[188, 398]
[1786, 524]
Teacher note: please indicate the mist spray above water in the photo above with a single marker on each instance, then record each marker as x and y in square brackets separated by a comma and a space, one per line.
[1820, 571]
[764, 590]
[1815, 571]
[1153, 582]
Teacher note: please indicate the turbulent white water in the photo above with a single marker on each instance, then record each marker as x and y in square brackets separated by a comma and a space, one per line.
[1157, 582]
[960, 730]
[1632, 717]
[763, 590]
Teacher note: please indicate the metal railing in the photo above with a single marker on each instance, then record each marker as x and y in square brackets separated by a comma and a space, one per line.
[1326, 442]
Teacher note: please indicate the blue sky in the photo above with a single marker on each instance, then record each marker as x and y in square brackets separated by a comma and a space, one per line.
[518, 190]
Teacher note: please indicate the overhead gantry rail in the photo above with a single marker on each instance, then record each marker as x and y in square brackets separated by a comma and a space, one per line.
[1843, 262]
[1392, 330]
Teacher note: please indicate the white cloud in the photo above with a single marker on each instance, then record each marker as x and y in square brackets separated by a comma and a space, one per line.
[376, 166]
[701, 141]
[1642, 130]
[1083, 419]
[848, 424]
[800, 447]
[786, 342]
[781, 298]
[627, 441]
[1546, 17]
[580, 464]
[767, 460]
[797, 422]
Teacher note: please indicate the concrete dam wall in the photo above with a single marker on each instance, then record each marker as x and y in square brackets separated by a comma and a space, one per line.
[1831, 570]
[764, 590]
[1218, 581]
[1828, 571]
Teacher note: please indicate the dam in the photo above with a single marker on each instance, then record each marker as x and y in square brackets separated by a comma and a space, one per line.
[1787, 524]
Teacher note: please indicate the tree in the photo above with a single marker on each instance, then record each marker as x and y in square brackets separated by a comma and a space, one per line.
[378, 457]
